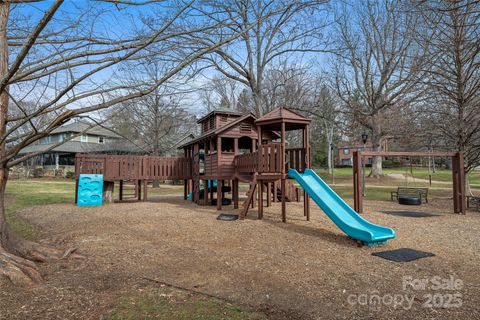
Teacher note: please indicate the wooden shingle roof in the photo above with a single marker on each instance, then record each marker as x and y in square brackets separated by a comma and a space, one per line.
[282, 114]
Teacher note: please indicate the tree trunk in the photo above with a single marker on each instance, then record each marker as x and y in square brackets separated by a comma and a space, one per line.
[377, 169]
[17, 255]
[257, 99]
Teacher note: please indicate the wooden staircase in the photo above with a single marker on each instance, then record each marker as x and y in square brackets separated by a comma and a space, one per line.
[250, 197]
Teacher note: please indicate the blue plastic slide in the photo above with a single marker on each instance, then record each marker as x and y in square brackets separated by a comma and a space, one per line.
[339, 211]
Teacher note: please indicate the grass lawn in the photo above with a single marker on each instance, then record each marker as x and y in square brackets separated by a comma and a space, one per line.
[169, 303]
[22, 194]
[441, 175]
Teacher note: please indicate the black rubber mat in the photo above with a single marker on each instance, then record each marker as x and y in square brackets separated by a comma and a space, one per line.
[227, 217]
[411, 214]
[403, 255]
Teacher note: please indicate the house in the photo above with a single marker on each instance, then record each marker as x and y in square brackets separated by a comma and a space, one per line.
[86, 139]
[346, 149]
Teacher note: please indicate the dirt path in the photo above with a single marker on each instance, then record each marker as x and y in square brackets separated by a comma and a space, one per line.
[298, 270]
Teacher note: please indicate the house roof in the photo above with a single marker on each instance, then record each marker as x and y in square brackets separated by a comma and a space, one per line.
[274, 118]
[81, 126]
[220, 111]
[84, 147]
[219, 130]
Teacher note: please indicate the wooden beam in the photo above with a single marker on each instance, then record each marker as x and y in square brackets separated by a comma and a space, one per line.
[284, 209]
[76, 190]
[145, 187]
[406, 154]
[185, 189]
[139, 190]
[282, 163]
[357, 182]
[269, 194]
[206, 191]
[235, 194]
[260, 199]
[120, 191]
[219, 194]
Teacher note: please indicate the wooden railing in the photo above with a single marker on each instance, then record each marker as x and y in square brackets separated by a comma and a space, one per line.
[296, 158]
[246, 163]
[122, 167]
[270, 158]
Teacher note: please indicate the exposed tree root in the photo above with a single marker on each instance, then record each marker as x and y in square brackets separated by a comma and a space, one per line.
[19, 266]
[19, 270]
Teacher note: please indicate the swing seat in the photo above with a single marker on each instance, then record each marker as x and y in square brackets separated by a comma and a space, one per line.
[406, 192]
[410, 200]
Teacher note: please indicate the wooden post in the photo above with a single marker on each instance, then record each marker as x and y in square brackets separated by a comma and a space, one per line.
[145, 187]
[306, 198]
[139, 190]
[284, 209]
[235, 194]
[219, 194]
[76, 190]
[458, 175]
[206, 191]
[211, 190]
[120, 191]
[462, 195]
[357, 182]
[185, 189]
[269, 194]
[260, 199]
[275, 187]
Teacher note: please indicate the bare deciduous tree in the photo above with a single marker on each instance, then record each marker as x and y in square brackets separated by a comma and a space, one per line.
[453, 109]
[220, 92]
[289, 28]
[66, 61]
[379, 65]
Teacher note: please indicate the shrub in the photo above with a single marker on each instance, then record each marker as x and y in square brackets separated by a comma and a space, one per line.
[70, 175]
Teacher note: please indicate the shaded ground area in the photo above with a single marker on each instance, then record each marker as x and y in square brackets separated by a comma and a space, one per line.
[298, 270]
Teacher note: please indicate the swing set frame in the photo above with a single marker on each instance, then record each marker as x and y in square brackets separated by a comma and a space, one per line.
[458, 175]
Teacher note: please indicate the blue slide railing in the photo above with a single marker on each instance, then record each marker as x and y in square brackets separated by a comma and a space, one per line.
[344, 217]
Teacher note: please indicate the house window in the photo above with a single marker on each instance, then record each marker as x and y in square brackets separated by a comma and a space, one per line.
[84, 138]
[212, 123]
[46, 140]
[101, 140]
[346, 151]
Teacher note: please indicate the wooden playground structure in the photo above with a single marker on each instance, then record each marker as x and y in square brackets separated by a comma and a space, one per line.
[234, 148]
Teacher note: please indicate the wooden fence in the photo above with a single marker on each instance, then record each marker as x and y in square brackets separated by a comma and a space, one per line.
[124, 167]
